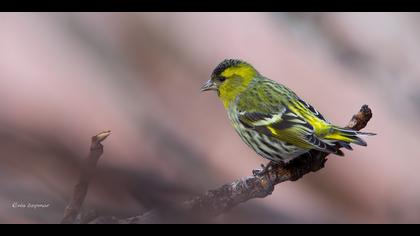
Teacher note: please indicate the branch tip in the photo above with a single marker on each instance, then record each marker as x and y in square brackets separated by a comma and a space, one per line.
[101, 136]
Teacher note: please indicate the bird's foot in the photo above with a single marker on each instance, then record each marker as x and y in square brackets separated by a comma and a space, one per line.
[264, 170]
[260, 172]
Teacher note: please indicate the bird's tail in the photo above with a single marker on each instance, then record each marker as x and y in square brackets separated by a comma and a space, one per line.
[346, 136]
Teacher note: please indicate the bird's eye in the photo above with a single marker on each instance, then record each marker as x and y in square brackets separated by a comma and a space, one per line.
[221, 78]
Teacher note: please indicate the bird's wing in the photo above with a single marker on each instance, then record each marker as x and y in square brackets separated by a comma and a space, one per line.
[283, 119]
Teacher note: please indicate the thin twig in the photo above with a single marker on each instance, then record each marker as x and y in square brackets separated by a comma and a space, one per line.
[224, 198]
[220, 200]
[80, 190]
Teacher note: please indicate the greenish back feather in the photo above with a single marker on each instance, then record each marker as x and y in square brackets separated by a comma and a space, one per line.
[276, 111]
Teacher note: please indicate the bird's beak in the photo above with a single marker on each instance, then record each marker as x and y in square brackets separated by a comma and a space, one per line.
[209, 85]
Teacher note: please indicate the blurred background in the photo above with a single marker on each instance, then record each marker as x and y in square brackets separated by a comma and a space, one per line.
[64, 77]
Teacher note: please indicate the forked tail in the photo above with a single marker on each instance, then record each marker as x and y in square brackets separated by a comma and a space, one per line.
[347, 136]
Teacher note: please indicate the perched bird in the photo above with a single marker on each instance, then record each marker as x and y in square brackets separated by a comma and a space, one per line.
[271, 119]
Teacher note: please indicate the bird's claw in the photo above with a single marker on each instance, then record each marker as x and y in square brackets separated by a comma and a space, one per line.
[263, 171]
[256, 172]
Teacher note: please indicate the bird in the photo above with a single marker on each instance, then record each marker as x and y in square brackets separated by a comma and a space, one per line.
[271, 119]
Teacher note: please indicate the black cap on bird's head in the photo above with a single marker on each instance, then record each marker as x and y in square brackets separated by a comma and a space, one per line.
[227, 63]
[218, 77]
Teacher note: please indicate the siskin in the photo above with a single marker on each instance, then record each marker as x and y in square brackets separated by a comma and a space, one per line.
[271, 119]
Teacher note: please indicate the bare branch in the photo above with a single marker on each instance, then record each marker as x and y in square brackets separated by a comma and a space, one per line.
[224, 198]
[80, 190]
[220, 200]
